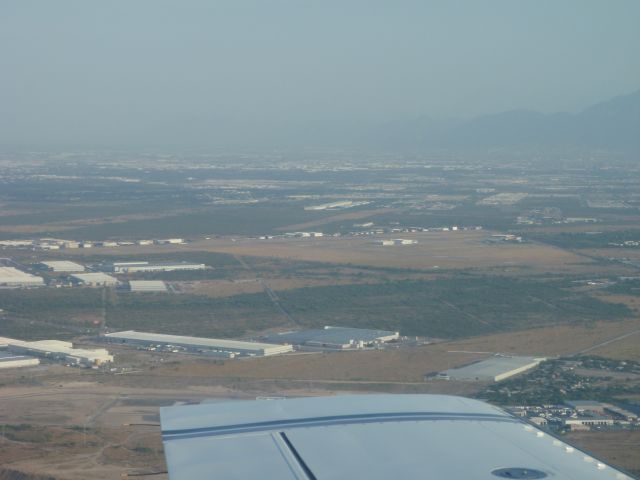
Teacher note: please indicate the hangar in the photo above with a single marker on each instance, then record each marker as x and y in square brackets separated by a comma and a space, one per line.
[147, 286]
[9, 360]
[12, 277]
[95, 279]
[61, 266]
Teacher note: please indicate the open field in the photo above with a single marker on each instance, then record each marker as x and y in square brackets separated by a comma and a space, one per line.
[435, 250]
[76, 430]
[229, 288]
[619, 252]
[620, 448]
[627, 348]
[560, 340]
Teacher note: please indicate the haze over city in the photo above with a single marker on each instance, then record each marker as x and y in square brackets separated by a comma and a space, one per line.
[245, 74]
[319, 240]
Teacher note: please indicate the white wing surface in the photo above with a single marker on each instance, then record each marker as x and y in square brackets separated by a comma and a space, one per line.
[378, 437]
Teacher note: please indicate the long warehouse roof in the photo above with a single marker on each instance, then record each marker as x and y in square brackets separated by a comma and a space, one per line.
[63, 265]
[331, 335]
[492, 367]
[94, 277]
[214, 343]
[13, 275]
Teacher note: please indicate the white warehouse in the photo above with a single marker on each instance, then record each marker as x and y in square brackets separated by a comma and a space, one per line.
[198, 344]
[12, 277]
[147, 286]
[96, 279]
[494, 369]
[61, 266]
[140, 267]
[9, 360]
[59, 351]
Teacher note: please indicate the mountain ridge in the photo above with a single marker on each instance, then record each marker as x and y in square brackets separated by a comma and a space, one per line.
[611, 124]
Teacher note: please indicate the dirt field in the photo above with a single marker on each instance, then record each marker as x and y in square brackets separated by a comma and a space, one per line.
[80, 430]
[435, 250]
[553, 341]
[408, 365]
[625, 349]
[227, 288]
[620, 448]
[62, 226]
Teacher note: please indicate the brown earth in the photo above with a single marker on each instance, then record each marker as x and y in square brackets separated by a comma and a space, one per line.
[435, 250]
[619, 448]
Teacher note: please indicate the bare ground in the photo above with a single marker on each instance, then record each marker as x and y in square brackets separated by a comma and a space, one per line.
[619, 448]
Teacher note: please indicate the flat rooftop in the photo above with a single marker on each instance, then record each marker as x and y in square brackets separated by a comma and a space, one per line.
[10, 357]
[153, 264]
[583, 403]
[491, 367]
[147, 285]
[13, 275]
[95, 277]
[63, 265]
[334, 335]
[212, 343]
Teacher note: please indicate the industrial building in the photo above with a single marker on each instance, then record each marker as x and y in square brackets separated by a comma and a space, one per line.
[582, 406]
[12, 277]
[147, 286]
[95, 279]
[9, 360]
[16, 243]
[494, 369]
[170, 241]
[590, 407]
[335, 337]
[212, 346]
[141, 267]
[59, 351]
[61, 266]
[398, 241]
[586, 422]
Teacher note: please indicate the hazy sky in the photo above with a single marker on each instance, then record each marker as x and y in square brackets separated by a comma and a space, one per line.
[158, 72]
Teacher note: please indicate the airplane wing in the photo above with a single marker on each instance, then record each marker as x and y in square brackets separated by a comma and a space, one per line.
[366, 436]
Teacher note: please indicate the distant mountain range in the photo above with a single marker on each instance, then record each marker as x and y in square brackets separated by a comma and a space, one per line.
[613, 124]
